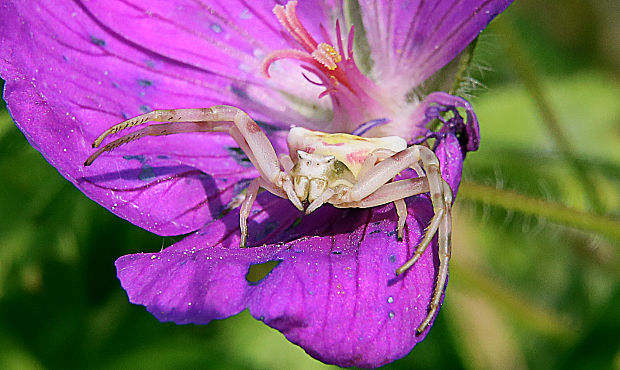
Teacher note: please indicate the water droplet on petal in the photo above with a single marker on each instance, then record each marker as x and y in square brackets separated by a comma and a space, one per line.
[391, 315]
[216, 28]
[390, 299]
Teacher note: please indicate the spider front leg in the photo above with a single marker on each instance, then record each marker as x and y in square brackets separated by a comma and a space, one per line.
[445, 251]
[220, 118]
[374, 188]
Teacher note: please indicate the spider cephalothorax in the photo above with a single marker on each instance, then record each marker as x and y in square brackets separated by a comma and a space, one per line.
[347, 171]
[313, 174]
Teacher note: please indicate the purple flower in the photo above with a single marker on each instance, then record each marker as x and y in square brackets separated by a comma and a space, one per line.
[74, 68]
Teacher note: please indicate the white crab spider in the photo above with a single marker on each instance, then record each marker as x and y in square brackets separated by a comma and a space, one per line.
[344, 170]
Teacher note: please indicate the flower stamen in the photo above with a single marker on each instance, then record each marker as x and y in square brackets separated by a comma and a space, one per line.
[327, 55]
[323, 53]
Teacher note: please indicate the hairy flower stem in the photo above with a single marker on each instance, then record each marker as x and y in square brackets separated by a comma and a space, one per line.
[525, 70]
[466, 57]
[554, 212]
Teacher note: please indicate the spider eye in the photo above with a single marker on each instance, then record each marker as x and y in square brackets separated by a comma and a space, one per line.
[300, 154]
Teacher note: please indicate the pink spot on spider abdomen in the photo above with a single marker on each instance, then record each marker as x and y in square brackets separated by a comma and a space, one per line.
[357, 157]
[309, 149]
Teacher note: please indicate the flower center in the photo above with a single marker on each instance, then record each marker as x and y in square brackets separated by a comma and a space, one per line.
[356, 99]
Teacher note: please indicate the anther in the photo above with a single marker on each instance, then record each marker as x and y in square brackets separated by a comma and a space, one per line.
[327, 55]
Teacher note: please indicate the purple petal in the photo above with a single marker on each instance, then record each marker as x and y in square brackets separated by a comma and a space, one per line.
[450, 154]
[419, 37]
[335, 295]
[69, 78]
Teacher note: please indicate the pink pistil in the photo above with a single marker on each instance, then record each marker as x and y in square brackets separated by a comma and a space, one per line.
[288, 18]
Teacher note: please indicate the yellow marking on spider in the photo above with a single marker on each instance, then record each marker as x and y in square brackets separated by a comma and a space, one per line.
[349, 149]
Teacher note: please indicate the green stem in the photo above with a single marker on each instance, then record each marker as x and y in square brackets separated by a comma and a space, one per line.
[525, 70]
[554, 212]
[464, 63]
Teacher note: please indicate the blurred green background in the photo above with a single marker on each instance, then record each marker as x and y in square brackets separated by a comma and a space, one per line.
[534, 275]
